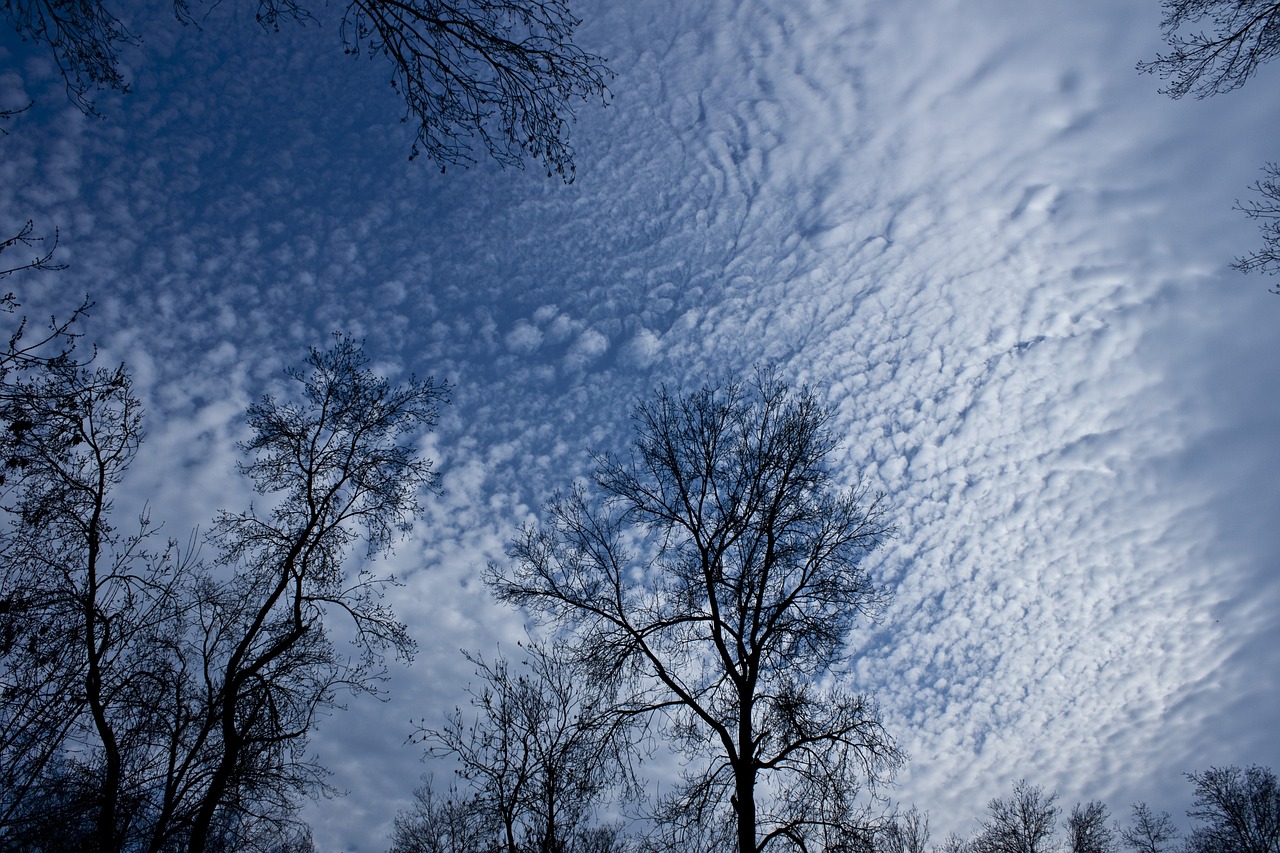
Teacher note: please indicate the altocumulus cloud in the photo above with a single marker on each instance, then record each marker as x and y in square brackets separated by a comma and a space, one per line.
[994, 248]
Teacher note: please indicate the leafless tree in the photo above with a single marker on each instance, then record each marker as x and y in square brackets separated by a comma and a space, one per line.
[55, 343]
[338, 464]
[80, 597]
[41, 259]
[433, 824]
[53, 346]
[1148, 831]
[954, 843]
[56, 818]
[179, 695]
[1243, 35]
[257, 812]
[716, 574]
[907, 832]
[506, 74]
[1023, 823]
[540, 753]
[1265, 209]
[1088, 830]
[1238, 811]
[84, 38]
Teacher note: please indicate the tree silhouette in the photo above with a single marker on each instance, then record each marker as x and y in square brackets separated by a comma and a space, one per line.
[538, 755]
[715, 574]
[907, 832]
[1244, 35]
[1148, 831]
[1238, 810]
[1023, 823]
[503, 74]
[53, 346]
[179, 695]
[340, 470]
[1265, 209]
[1088, 830]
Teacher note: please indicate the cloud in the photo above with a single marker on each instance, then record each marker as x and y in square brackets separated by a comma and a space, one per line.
[588, 347]
[524, 338]
[991, 246]
[643, 348]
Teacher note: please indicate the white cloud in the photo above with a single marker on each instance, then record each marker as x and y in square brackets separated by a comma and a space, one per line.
[991, 245]
[643, 348]
[588, 347]
[524, 337]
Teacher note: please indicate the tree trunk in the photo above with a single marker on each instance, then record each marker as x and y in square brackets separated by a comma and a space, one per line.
[744, 803]
[744, 773]
[218, 785]
[96, 646]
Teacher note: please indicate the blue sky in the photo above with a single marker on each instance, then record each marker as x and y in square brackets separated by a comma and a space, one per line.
[987, 241]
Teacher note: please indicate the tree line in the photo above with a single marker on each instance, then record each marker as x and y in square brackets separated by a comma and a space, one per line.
[697, 591]
[1234, 810]
[158, 699]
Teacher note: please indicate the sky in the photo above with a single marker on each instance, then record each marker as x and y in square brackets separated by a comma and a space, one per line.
[986, 241]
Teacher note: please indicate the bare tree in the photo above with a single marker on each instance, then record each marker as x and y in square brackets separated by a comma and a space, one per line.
[82, 599]
[52, 346]
[541, 752]
[454, 824]
[505, 74]
[439, 825]
[179, 696]
[85, 40]
[58, 818]
[1023, 823]
[1088, 830]
[954, 843]
[1265, 210]
[1243, 35]
[257, 811]
[337, 462]
[1238, 811]
[907, 832]
[71, 437]
[1148, 831]
[55, 344]
[716, 574]
[41, 259]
